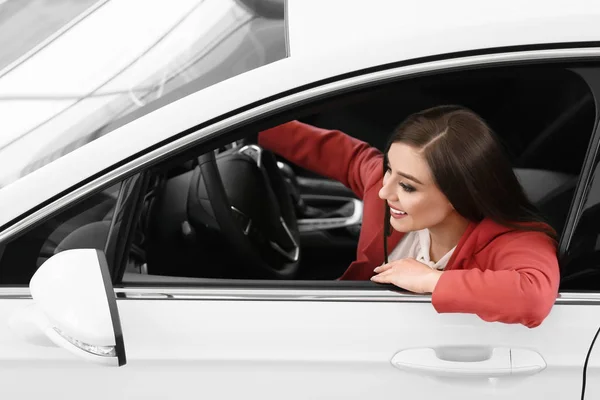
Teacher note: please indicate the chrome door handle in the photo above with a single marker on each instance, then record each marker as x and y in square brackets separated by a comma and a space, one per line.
[470, 361]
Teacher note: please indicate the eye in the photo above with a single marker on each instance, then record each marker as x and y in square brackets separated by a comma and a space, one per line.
[407, 188]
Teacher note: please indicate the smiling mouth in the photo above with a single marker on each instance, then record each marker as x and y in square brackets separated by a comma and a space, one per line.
[397, 213]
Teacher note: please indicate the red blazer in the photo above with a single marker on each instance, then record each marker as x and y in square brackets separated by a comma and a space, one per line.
[496, 272]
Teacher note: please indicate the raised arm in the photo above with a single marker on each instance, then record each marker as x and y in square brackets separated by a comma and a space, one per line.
[329, 153]
[519, 284]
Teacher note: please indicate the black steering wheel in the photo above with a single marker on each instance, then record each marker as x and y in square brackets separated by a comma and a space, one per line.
[253, 209]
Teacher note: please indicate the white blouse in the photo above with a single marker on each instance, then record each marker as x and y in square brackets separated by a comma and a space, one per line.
[417, 244]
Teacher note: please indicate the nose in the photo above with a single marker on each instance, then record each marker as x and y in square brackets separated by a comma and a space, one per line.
[387, 191]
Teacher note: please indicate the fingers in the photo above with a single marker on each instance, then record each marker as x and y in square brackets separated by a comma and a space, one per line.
[390, 265]
[384, 267]
[385, 276]
[381, 278]
[388, 273]
[381, 268]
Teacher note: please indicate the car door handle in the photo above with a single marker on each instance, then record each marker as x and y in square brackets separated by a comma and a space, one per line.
[476, 361]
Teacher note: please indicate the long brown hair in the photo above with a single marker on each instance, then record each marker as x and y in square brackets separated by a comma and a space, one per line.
[469, 166]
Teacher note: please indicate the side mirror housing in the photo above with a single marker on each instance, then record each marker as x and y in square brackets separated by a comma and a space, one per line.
[75, 307]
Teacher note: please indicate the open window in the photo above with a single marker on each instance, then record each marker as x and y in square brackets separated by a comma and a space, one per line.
[544, 116]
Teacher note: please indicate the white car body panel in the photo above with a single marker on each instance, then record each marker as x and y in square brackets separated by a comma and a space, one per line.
[227, 348]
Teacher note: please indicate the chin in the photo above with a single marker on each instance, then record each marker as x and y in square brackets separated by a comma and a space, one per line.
[400, 226]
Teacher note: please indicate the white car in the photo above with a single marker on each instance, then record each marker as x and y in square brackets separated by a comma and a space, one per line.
[138, 254]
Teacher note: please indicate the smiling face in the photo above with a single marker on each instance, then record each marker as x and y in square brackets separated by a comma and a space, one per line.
[414, 199]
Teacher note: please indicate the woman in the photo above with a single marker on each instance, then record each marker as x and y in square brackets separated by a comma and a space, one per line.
[463, 229]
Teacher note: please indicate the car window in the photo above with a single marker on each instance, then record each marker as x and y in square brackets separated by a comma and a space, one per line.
[123, 62]
[544, 116]
[83, 225]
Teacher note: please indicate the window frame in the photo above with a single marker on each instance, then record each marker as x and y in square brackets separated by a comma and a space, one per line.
[585, 182]
[174, 282]
[271, 111]
[591, 159]
[120, 234]
[118, 237]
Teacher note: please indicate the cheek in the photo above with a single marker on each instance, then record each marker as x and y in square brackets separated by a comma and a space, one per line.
[424, 206]
[412, 203]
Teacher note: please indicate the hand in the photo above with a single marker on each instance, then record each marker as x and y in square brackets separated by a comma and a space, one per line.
[408, 274]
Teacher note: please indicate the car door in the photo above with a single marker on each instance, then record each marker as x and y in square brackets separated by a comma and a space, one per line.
[344, 343]
[274, 343]
[346, 340]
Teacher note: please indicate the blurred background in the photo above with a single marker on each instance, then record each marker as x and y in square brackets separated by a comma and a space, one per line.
[26, 23]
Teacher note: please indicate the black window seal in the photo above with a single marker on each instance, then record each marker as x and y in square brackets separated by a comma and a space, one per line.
[592, 79]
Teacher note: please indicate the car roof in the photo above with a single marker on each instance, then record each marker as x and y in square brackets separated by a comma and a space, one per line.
[368, 31]
[327, 39]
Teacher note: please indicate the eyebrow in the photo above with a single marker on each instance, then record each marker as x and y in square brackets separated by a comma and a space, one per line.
[407, 176]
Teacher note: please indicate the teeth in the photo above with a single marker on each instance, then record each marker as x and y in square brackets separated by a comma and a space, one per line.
[397, 212]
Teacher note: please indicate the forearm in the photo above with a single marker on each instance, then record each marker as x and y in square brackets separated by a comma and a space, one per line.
[524, 297]
[332, 154]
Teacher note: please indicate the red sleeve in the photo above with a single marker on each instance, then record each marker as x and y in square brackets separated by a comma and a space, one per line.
[329, 153]
[516, 281]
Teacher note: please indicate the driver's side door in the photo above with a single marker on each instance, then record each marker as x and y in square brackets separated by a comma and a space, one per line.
[348, 343]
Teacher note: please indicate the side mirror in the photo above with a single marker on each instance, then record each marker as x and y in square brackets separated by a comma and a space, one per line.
[75, 307]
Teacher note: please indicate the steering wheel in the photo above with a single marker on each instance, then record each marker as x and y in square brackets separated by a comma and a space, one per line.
[253, 209]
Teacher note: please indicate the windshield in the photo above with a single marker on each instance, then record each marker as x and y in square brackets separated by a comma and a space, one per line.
[94, 66]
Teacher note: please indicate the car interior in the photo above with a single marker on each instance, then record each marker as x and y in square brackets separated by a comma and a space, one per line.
[232, 210]
[544, 117]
